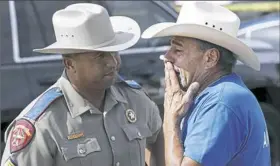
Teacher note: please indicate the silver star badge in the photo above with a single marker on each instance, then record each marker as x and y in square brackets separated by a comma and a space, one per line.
[130, 116]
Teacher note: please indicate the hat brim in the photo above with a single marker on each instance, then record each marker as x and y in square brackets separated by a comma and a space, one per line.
[127, 34]
[242, 52]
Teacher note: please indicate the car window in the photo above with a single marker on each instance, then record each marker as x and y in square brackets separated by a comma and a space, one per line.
[5, 33]
[35, 29]
[241, 36]
[271, 35]
[146, 13]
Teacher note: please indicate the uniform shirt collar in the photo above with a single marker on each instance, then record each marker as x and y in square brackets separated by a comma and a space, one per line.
[77, 105]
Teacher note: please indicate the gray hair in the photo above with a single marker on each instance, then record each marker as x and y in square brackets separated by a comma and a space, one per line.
[227, 59]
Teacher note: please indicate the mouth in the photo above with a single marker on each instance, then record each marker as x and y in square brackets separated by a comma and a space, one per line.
[111, 73]
[181, 78]
[177, 69]
[178, 74]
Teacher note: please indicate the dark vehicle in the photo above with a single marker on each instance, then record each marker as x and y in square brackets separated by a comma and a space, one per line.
[266, 83]
[28, 25]
[25, 74]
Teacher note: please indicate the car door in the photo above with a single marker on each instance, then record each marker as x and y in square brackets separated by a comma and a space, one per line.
[15, 92]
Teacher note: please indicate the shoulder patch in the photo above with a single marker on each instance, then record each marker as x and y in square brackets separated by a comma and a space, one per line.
[133, 84]
[21, 135]
[42, 103]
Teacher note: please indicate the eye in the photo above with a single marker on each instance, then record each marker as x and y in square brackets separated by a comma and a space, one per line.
[176, 50]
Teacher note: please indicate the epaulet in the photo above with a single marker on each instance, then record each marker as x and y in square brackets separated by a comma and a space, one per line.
[131, 83]
[42, 103]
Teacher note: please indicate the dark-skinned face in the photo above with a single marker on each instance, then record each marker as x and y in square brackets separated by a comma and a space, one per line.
[96, 70]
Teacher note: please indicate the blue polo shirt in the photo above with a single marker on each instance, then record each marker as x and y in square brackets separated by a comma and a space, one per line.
[226, 126]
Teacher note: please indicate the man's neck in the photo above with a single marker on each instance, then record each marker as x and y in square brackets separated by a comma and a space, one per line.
[209, 78]
[95, 96]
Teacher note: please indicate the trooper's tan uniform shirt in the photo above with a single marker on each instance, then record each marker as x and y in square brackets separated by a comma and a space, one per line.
[72, 132]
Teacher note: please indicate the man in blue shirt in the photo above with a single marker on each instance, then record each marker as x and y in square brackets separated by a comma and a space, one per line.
[210, 117]
[226, 126]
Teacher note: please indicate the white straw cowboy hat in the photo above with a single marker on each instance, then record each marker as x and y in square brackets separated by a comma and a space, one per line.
[86, 27]
[208, 22]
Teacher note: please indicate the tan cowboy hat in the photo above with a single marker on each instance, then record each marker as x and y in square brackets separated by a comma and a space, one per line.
[208, 22]
[85, 27]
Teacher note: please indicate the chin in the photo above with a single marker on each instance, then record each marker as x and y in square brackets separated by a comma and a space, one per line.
[109, 81]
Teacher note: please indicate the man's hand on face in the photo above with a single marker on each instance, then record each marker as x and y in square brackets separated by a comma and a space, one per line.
[176, 101]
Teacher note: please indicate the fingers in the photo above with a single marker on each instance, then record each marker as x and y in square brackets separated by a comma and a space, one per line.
[191, 92]
[167, 77]
[172, 78]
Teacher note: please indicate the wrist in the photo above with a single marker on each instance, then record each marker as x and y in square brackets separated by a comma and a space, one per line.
[172, 120]
[171, 126]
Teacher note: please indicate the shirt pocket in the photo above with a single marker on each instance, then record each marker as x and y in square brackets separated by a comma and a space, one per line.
[136, 135]
[75, 150]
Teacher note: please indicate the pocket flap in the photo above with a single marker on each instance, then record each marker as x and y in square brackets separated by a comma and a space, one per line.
[80, 149]
[136, 131]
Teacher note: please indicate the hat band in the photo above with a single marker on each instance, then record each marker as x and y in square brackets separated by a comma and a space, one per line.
[105, 43]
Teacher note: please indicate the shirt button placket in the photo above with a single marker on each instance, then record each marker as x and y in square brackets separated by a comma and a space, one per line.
[112, 138]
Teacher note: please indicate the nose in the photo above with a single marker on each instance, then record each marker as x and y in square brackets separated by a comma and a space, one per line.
[168, 56]
[112, 63]
[111, 66]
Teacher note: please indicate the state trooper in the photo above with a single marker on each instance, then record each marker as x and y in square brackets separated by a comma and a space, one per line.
[90, 116]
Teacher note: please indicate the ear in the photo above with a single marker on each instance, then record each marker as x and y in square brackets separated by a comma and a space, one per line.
[212, 57]
[69, 64]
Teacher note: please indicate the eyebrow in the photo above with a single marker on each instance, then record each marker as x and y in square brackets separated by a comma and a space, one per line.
[175, 42]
